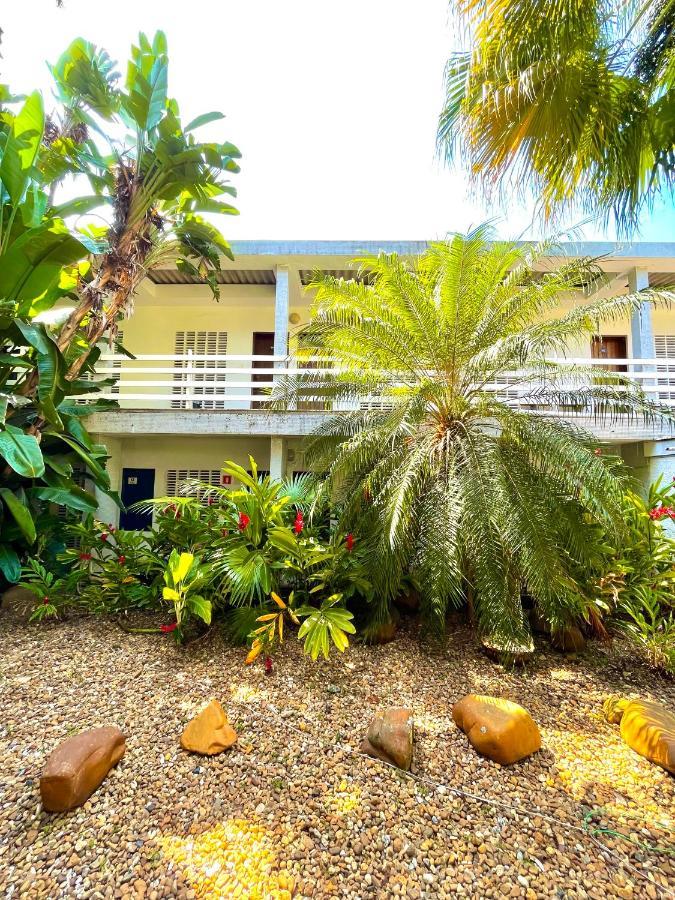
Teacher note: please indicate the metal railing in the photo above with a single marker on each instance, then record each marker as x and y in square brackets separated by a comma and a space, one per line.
[231, 382]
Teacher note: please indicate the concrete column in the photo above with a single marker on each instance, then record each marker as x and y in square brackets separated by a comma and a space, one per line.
[108, 511]
[278, 450]
[281, 304]
[641, 328]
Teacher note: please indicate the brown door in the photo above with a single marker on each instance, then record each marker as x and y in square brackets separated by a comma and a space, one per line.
[263, 345]
[610, 346]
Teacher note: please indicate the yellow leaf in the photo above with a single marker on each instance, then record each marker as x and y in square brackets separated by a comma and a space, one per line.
[281, 628]
[293, 616]
[253, 654]
[279, 602]
[266, 618]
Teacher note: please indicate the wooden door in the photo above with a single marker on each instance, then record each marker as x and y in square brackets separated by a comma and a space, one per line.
[610, 346]
[263, 345]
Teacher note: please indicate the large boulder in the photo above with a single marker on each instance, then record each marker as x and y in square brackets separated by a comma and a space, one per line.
[647, 727]
[209, 732]
[390, 737]
[497, 728]
[78, 766]
[569, 639]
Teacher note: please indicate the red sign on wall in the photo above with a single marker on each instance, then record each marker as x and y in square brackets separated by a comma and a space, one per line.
[227, 479]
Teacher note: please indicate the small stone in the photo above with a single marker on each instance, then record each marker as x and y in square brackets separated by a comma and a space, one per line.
[390, 737]
[209, 732]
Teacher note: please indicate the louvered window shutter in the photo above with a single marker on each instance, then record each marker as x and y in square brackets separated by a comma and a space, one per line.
[176, 480]
[201, 343]
[664, 348]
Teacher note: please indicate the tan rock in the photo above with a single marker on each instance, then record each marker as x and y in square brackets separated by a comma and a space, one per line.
[497, 728]
[209, 732]
[78, 766]
[569, 639]
[390, 737]
[647, 727]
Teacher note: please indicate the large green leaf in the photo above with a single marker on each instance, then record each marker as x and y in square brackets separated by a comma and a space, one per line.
[10, 564]
[21, 147]
[33, 262]
[204, 119]
[98, 473]
[22, 452]
[200, 608]
[74, 497]
[20, 513]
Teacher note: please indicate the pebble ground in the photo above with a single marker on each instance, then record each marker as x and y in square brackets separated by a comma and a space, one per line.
[293, 809]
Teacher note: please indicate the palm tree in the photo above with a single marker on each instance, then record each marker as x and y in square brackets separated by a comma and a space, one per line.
[572, 100]
[476, 495]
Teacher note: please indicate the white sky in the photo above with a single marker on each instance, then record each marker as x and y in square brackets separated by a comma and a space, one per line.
[333, 105]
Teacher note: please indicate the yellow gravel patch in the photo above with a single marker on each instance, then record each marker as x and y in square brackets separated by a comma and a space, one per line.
[235, 859]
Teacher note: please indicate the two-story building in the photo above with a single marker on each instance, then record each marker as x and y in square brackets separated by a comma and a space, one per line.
[195, 393]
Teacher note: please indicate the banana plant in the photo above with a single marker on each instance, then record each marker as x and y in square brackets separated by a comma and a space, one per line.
[157, 182]
[42, 436]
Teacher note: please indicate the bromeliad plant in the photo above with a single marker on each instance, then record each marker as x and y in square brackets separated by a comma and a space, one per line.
[466, 489]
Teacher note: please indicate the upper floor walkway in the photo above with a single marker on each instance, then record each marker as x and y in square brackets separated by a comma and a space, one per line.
[202, 367]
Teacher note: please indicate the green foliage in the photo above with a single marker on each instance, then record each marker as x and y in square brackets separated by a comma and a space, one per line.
[184, 575]
[152, 186]
[54, 594]
[574, 100]
[641, 573]
[462, 488]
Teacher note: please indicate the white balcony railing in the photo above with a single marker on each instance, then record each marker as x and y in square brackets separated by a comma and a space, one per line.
[232, 382]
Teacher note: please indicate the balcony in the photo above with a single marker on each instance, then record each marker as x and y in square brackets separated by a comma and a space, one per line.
[228, 394]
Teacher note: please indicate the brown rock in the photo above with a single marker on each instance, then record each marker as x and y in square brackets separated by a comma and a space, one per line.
[78, 766]
[390, 737]
[497, 728]
[209, 732]
[18, 600]
[647, 727]
[569, 639]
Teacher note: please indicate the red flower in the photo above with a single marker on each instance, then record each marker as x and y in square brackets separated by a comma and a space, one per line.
[45, 600]
[598, 451]
[111, 529]
[210, 501]
[85, 556]
[268, 665]
[349, 541]
[105, 536]
[121, 560]
[244, 521]
[167, 629]
[299, 523]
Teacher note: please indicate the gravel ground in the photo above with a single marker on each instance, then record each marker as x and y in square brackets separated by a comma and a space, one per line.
[293, 809]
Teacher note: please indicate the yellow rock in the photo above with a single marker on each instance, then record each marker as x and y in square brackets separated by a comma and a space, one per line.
[209, 732]
[497, 728]
[648, 728]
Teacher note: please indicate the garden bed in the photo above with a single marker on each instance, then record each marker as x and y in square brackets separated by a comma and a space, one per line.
[291, 807]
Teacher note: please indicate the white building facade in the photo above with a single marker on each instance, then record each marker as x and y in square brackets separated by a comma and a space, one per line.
[194, 395]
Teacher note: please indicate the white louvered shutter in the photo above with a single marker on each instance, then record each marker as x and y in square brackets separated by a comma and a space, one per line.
[664, 347]
[208, 383]
[176, 480]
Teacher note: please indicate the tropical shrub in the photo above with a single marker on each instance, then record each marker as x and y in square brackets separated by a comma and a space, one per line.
[184, 576]
[132, 161]
[221, 554]
[478, 496]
